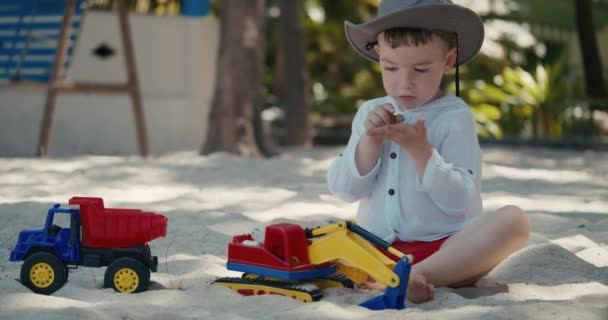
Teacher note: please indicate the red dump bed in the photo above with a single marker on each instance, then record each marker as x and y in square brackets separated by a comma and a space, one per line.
[117, 228]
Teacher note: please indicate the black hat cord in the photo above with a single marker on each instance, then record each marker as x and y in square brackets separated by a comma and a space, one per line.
[457, 77]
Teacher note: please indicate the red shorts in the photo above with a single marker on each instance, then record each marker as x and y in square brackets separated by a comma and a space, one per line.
[420, 250]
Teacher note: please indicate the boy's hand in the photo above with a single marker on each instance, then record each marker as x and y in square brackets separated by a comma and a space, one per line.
[410, 137]
[381, 116]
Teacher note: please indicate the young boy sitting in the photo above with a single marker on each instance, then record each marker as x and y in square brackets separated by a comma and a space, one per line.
[413, 160]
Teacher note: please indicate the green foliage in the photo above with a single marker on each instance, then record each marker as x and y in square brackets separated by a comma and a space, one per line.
[345, 76]
[339, 79]
[520, 103]
[559, 14]
[529, 100]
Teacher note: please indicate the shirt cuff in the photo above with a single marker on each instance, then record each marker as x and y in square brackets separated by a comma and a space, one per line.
[350, 153]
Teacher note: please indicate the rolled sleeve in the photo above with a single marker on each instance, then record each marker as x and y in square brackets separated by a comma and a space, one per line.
[343, 177]
[452, 174]
[450, 187]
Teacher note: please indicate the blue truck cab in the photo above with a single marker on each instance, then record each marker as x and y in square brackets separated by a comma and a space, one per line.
[63, 242]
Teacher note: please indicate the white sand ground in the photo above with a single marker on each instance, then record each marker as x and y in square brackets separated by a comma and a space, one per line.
[561, 273]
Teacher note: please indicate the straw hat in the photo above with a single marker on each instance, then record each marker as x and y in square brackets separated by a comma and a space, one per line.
[425, 14]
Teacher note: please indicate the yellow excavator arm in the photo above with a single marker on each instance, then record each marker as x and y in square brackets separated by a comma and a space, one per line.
[356, 257]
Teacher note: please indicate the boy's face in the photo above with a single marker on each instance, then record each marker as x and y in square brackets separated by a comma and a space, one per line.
[412, 74]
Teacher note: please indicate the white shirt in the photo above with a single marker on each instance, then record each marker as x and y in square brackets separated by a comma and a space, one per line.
[394, 202]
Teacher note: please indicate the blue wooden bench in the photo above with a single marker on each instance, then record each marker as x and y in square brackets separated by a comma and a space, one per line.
[29, 33]
[37, 41]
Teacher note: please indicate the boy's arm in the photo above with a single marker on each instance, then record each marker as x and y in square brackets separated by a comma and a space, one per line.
[367, 154]
[452, 176]
[354, 174]
[370, 144]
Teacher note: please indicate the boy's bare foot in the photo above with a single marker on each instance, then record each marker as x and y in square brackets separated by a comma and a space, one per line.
[419, 290]
[372, 285]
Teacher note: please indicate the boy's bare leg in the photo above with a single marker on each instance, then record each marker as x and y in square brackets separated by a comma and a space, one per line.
[470, 253]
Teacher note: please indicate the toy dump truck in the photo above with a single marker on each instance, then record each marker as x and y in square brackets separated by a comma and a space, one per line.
[97, 237]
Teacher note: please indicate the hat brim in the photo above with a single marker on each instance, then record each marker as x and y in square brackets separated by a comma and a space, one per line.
[446, 17]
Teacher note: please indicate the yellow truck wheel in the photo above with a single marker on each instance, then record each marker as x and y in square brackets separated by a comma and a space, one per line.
[127, 275]
[43, 273]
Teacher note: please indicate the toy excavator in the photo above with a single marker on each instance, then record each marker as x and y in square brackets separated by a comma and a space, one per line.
[300, 263]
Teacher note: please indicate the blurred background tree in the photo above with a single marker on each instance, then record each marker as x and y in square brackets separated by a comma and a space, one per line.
[235, 107]
[291, 80]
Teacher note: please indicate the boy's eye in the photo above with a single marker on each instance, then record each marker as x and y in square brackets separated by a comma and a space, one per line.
[390, 68]
[421, 70]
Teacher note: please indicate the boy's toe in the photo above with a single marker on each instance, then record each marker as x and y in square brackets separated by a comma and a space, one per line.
[419, 290]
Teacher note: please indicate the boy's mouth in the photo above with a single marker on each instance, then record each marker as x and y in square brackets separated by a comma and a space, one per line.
[407, 98]
[406, 101]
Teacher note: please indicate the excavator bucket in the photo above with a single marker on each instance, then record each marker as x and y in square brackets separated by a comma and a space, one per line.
[393, 298]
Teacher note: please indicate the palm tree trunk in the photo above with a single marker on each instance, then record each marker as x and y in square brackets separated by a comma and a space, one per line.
[237, 95]
[295, 72]
[589, 49]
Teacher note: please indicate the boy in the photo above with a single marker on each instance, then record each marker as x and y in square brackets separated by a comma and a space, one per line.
[413, 160]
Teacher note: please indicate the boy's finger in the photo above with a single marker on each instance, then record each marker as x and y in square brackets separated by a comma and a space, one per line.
[377, 120]
[420, 125]
[386, 117]
[388, 132]
[389, 107]
[378, 132]
[378, 113]
[386, 113]
[399, 118]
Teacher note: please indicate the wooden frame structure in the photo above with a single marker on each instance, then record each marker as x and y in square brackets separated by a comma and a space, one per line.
[58, 84]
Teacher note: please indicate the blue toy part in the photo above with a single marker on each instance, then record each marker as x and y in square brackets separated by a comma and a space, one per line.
[195, 8]
[64, 243]
[393, 298]
[286, 275]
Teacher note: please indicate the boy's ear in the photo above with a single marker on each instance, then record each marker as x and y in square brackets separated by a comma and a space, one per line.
[450, 60]
[377, 44]
[377, 48]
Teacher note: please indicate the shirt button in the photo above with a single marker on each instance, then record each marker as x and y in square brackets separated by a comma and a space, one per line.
[393, 155]
[391, 192]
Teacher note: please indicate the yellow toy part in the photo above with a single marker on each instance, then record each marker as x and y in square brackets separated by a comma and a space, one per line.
[42, 275]
[336, 242]
[250, 287]
[127, 275]
[43, 272]
[126, 280]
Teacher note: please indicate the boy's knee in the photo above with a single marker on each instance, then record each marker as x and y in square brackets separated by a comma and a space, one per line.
[515, 219]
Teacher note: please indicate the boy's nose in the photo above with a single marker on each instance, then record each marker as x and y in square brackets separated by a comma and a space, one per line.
[406, 81]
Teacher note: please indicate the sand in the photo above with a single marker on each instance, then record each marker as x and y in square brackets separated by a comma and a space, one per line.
[560, 273]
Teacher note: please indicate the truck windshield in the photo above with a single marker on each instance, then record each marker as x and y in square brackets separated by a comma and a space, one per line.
[62, 220]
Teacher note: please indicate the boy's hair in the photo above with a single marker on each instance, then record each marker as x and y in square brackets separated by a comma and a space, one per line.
[397, 37]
